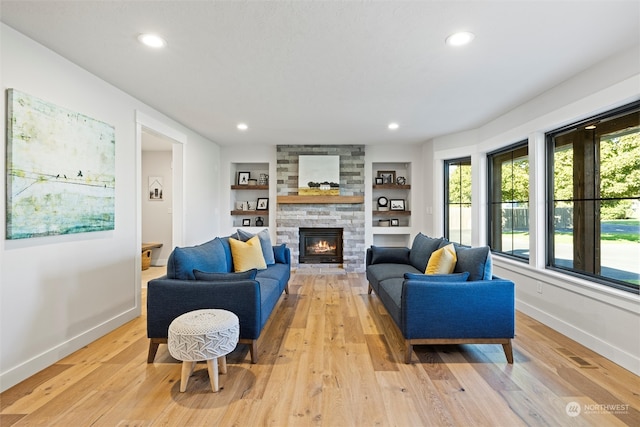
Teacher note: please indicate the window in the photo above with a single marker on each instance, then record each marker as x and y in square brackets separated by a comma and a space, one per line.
[457, 214]
[509, 201]
[594, 187]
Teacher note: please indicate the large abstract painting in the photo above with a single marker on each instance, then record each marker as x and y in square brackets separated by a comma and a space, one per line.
[319, 175]
[60, 170]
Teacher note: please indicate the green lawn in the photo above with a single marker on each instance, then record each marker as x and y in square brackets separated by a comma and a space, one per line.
[612, 236]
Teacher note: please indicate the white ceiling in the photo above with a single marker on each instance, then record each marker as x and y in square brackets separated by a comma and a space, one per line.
[314, 72]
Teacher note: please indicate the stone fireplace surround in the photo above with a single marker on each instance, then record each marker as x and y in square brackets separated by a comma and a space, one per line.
[349, 216]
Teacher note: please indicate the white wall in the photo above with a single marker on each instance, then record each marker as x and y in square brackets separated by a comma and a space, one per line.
[157, 214]
[599, 317]
[60, 293]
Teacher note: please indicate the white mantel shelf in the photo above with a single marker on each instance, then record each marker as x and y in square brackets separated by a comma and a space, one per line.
[316, 200]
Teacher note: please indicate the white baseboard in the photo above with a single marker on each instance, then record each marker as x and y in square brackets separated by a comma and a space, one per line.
[628, 361]
[30, 367]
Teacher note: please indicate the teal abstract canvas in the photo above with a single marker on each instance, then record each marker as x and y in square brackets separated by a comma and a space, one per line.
[60, 170]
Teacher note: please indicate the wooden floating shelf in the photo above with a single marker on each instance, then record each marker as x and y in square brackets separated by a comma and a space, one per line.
[256, 212]
[391, 213]
[392, 187]
[316, 200]
[249, 187]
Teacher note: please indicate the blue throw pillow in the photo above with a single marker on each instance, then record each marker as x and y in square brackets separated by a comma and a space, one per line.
[209, 256]
[225, 277]
[280, 254]
[421, 250]
[440, 278]
[265, 243]
[477, 261]
[380, 255]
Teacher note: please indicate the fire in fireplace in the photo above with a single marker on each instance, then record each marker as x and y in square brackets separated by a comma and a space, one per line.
[320, 245]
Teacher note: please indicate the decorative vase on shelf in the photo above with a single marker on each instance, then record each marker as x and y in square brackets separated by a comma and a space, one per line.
[259, 221]
[264, 179]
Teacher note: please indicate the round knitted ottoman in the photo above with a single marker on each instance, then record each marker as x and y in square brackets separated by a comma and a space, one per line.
[203, 335]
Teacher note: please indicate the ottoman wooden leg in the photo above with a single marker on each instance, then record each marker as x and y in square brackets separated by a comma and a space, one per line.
[187, 370]
[223, 364]
[212, 367]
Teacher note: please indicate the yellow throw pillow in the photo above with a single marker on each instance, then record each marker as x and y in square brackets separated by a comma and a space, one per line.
[442, 261]
[247, 255]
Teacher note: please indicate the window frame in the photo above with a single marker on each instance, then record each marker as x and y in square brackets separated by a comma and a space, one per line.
[490, 174]
[447, 163]
[550, 197]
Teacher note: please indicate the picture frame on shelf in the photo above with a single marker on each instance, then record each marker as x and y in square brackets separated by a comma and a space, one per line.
[395, 222]
[246, 222]
[379, 180]
[388, 177]
[262, 204]
[243, 178]
[396, 205]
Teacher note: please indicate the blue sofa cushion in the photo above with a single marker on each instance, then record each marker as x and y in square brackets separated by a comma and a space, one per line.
[269, 295]
[209, 256]
[212, 277]
[440, 278]
[390, 293]
[477, 261]
[376, 273]
[421, 250]
[265, 243]
[227, 253]
[382, 255]
[279, 272]
[280, 254]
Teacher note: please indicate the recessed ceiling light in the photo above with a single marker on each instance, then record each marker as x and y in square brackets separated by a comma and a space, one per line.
[393, 126]
[152, 40]
[242, 126]
[459, 39]
[590, 127]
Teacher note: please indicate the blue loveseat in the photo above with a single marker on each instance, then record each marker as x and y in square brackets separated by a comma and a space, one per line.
[203, 276]
[468, 306]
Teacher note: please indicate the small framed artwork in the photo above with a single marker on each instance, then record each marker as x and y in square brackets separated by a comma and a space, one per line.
[397, 204]
[395, 222]
[155, 188]
[388, 177]
[263, 204]
[243, 178]
[246, 222]
[379, 180]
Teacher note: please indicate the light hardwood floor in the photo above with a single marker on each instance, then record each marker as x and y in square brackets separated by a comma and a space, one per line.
[331, 356]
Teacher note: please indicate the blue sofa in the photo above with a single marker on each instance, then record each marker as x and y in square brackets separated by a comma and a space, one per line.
[468, 306]
[203, 276]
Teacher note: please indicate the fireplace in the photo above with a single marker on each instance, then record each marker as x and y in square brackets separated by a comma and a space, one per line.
[320, 245]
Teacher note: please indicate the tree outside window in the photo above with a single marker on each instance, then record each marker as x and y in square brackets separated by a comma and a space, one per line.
[509, 201]
[594, 214]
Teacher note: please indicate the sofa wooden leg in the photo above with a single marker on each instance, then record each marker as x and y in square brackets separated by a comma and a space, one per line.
[508, 351]
[370, 289]
[253, 349]
[286, 288]
[408, 352]
[153, 348]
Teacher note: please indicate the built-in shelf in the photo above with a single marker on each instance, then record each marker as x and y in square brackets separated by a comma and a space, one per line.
[392, 187]
[255, 212]
[392, 213]
[246, 194]
[249, 187]
[310, 200]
